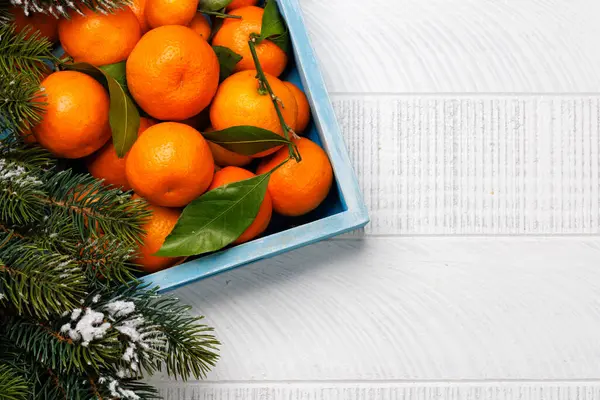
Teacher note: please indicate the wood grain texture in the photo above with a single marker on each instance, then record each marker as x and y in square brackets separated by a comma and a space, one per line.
[475, 164]
[456, 46]
[386, 391]
[410, 309]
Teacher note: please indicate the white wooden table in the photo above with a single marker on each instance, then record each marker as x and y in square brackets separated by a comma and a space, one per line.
[474, 127]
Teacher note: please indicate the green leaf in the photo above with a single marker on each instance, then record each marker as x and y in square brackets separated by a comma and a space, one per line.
[216, 24]
[272, 22]
[273, 26]
[88, 69]
[283, 41]
[123, 115]
[216, 219]
[213, 5]
[116, 71]
[246, 140]
[228, 59]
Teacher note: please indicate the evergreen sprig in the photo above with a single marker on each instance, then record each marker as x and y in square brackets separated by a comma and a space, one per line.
[64, 8]
[21, 194]
[94, 207]
[128, 339]
[12, 149]
[72, 315]
[21, 104]
[14, 384]
[25, 53]
[36, 281]
[23, 58]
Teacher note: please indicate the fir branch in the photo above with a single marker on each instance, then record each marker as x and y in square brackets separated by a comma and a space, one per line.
[53, 233]
[38, 282]
[106, 260]
[21, 102]
[191, 345]
[32, 158]
[5, 15]
[191, 348]
[58, 351]
[24, 53]
[114, 387]
[23, 58]
[95, 208]
[20, 193]
[144, 341]
[63, 8]
[12, 384]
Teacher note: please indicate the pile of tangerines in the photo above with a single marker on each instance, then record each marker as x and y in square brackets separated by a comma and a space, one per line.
[172, 74]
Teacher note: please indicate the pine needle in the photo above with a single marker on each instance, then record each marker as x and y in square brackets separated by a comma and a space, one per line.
[25, 53]
[12, 384]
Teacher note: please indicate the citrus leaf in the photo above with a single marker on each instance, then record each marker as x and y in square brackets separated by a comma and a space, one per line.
[123, 115]
[116, 71]
[216, 24]
[228, 59]
[217, 218]
[213, 5]
[246, 140]
[88, 69]
[273, 27]
[272, 22]
[283, 41]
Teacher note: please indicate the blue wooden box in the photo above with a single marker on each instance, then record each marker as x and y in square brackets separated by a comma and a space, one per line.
[344, 209]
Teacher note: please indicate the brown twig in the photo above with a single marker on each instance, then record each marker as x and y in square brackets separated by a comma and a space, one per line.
[57, 335]
[95, 389]
[57, 383]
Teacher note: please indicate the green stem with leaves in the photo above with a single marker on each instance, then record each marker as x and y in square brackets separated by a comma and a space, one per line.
[265, 87]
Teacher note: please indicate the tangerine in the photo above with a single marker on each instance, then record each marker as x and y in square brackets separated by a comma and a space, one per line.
[235, 34]
[170, 12]
[201, 26]
[235, 4]
[226, 158]
[105, 164]
[172, 73]
[97, 38]
[75, 123]
[303, 107]
[139, 9]
[297, 188]
[170, 164]
[157, 228]
[45, 24]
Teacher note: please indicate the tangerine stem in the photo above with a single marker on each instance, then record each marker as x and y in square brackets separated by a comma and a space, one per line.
[264, 83]
[220, 14]
[281, 164]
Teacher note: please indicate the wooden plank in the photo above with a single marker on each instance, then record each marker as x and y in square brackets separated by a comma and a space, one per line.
[450, 46]
[386, 391]
[485, 164]
[410, 309]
